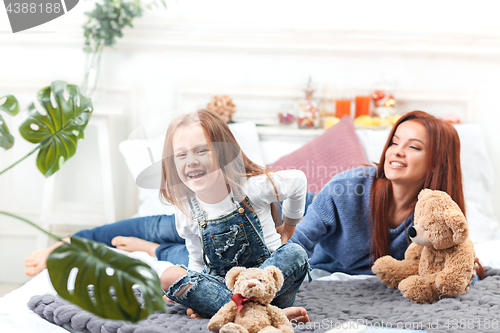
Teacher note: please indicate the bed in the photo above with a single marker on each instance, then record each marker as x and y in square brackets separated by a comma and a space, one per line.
[331, 299]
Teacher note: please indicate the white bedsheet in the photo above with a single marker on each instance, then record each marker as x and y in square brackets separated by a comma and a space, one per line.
[489, 253]
[14, 313]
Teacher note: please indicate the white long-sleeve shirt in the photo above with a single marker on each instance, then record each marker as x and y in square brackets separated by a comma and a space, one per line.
[291, 186]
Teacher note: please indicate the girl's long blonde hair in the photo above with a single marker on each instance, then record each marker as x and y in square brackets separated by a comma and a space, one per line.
[224, 151]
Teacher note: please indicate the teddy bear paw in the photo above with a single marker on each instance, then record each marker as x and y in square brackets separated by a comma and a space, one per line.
[386, 270]
[451, 285]
[418, 290]
[233, 328]
[271, 329]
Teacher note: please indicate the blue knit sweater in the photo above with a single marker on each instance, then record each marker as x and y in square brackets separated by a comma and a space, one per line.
[336, 231]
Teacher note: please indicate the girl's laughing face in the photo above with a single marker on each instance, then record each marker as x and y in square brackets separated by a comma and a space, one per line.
[194, 164]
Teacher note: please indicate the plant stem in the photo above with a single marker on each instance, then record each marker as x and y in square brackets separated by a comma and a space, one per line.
[32, 224]
[92, 63]
[97, 66]
[86, 74]
[11, 166]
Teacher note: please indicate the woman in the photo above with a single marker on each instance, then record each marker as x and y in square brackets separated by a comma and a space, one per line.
[363, 214]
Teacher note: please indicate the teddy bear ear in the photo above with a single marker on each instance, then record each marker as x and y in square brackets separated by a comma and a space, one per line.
[275, 272]
[432, 193]
[424, 192]
[232, 275]
[457, 223]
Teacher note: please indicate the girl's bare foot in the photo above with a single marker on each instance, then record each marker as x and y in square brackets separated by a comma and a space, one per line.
[166, 299]
[296, 314]
[131, 244]
[193, 314]
[37, 260]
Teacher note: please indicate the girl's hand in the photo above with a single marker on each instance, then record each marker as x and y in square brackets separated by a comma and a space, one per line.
[286, 230]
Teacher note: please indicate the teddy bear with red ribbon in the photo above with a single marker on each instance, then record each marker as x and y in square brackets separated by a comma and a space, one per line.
[250, 309]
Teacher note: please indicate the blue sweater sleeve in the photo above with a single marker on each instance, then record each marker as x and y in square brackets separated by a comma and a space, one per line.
[336, 230]
[319, 222]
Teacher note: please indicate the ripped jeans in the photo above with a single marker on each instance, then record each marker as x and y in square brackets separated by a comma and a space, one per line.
[235, 239]
[207, 293]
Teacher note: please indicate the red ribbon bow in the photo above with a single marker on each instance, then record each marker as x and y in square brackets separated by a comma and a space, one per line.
[240, 301]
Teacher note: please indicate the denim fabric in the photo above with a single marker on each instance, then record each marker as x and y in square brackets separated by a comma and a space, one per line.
[206, 293]
[292, 260]
[157, 229]
[474, 279]
[232, 240]
[235, 240]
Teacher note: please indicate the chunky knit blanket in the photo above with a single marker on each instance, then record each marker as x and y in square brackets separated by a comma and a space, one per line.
[329, 304]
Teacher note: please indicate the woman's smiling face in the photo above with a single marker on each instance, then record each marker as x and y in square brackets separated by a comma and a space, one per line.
[406, 157]
[193, 161]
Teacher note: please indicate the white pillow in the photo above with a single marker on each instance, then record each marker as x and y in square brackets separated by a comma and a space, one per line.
[142, 154]
[477, 176]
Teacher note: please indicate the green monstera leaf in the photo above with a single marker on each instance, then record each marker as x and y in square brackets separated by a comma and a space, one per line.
[104, 280]
[58, 130]
[11, 106]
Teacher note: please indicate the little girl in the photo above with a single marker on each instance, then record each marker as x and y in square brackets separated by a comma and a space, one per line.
[224, 213]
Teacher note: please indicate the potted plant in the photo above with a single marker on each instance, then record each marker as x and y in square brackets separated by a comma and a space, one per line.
[104, 280]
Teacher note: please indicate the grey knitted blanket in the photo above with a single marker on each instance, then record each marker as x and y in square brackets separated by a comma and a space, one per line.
[329, 304]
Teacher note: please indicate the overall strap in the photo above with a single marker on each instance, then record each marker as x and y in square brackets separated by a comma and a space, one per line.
[199, 215]
[242, 211]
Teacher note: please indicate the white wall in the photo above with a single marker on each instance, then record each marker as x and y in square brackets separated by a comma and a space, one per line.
[447, 48]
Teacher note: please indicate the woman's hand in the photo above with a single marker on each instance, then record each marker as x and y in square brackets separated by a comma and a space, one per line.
[478, 268]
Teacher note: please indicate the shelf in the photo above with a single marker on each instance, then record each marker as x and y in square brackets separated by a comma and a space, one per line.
[289, 130]
[287, 133]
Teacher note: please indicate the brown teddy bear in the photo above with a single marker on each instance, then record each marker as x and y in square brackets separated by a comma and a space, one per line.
[249, 311]
[440, 261]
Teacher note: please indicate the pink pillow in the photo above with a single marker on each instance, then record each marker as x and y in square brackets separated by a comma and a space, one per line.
[336, 150]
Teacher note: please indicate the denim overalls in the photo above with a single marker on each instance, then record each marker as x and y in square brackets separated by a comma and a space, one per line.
[232, 240]
[235, 239]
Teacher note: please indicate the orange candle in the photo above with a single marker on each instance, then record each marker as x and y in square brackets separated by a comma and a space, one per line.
[343, 107]
[362, 106]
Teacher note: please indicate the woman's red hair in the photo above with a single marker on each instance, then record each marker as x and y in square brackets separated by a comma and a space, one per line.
[444, 174]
